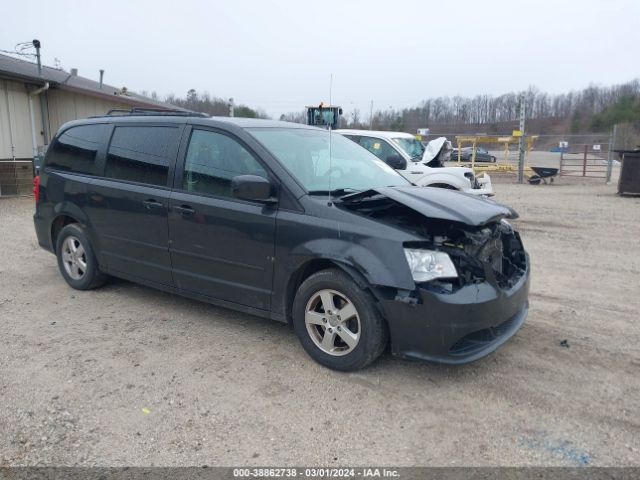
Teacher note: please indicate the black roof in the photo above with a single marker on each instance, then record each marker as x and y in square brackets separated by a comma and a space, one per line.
[18, 69]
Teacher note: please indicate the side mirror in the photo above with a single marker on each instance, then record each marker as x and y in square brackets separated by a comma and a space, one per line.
[396, 162]
[253, 188]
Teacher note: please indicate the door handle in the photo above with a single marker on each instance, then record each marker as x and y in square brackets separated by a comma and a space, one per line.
[152, 204]
[184, 209]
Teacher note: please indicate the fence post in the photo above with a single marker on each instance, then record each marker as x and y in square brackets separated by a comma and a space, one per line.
[521, 141]
[612, 146]
[584, 161]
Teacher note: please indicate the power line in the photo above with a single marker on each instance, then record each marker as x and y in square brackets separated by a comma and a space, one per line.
[18, 53]
[20, 48]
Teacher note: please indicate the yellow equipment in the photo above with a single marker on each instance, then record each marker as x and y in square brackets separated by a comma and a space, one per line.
[506, 140]
[325, 116]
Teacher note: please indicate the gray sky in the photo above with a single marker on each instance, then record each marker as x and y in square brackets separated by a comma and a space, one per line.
[279, 55]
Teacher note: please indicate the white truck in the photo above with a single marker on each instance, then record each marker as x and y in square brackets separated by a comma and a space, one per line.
[422, 166]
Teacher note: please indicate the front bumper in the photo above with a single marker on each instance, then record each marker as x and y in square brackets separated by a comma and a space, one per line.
[483, 186]
[459, 327]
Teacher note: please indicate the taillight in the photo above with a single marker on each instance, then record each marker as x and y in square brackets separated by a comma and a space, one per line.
[36, 188]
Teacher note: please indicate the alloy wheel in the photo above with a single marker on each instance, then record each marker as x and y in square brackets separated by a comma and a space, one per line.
[332, 322]
[74, 258]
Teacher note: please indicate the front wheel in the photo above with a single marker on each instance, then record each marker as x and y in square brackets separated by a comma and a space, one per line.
[337, 322]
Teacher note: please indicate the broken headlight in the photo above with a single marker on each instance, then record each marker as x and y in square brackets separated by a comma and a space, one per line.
[471, 177]
[426, 265]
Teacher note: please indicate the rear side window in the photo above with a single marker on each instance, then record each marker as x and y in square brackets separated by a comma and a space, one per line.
[141, 154]
[76, 149]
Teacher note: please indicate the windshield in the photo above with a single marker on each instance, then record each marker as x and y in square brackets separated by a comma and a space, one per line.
[305, 153]
[412, 146]
[322, 117]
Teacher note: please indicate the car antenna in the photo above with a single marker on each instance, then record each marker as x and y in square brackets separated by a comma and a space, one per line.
[330, 158]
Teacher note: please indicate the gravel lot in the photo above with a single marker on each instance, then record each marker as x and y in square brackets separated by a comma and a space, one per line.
[127, 375]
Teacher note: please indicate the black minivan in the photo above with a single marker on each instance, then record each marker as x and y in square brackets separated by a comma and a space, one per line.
[284, 221]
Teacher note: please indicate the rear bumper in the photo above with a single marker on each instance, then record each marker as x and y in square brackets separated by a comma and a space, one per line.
[42, 232]
[460, 327]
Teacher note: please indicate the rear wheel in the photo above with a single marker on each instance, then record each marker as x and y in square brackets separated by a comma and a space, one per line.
[76, 260]
[337, 322]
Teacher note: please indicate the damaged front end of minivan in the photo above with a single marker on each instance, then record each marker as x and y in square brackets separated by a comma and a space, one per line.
[470, 271]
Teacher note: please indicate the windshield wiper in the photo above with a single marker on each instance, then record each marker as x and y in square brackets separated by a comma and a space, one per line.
[337, 192]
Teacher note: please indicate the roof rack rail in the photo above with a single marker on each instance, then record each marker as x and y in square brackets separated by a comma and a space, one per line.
[116, 112]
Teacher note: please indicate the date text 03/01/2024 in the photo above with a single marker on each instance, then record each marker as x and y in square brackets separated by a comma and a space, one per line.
[315, 473]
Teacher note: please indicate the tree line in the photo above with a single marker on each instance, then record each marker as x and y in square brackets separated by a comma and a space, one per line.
[592, 109]
[209, 104]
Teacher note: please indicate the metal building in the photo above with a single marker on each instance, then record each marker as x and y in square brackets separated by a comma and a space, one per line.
[34, 105]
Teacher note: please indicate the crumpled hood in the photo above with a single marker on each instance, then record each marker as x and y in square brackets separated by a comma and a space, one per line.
[434, 147]
[440, 203]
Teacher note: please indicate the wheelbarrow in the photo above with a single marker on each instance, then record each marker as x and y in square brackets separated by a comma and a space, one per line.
[542, 174]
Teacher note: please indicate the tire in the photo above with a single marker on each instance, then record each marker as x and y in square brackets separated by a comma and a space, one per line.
[535, 180]
[78, 267]
[322, 331]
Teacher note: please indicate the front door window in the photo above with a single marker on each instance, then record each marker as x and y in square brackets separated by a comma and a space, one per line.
[378, 147]
[213, 159]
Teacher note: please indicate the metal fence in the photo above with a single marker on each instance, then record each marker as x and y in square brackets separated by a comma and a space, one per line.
[16, 177]
[585, 155]
[586, 160]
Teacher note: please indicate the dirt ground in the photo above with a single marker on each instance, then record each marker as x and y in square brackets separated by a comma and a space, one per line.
[126, 375]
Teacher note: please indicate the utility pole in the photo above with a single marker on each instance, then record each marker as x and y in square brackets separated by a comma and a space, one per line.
[231, 107]
[612, 146]
[371, 116]
[521, 142]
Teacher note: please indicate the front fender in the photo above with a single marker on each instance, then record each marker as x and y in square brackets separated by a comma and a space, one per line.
[446, 179]
[392, 272]
[358, 260]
